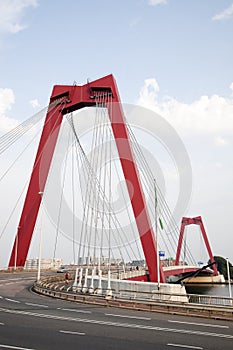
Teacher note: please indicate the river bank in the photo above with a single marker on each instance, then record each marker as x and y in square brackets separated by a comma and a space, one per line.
[209, 289]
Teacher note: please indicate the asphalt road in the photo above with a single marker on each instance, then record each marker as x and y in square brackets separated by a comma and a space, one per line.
[29, 321]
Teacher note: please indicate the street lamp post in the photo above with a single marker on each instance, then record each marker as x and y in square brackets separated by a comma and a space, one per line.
[229, 278]
[16, 248]
[156, 235]
[40, 245]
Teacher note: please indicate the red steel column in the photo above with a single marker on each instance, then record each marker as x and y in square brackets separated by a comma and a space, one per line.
[207, 244]
[36, 186]
[134, 189]
[183, 224]
[77, 97]
[195, 221]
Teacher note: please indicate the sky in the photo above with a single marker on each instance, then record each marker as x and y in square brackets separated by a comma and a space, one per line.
[171, 56]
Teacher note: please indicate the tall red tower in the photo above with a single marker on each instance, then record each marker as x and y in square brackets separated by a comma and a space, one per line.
[65, 99]
[194, 221]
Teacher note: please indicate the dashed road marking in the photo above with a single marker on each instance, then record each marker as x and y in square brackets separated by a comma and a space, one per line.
[12, 300]
[38, 305]
[118, 324]
[185, 346]
[73, 333]
[13, 347]
[128, 316]
[75, 310]
[200, 324]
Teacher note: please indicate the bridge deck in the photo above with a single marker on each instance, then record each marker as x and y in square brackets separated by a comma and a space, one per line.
[177, 270]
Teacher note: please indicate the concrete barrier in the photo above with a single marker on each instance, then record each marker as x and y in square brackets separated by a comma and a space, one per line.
[166, 303]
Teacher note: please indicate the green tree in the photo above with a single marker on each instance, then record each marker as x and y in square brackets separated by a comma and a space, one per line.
[222, 266]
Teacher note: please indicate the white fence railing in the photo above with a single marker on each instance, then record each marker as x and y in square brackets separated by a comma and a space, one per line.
[144, 291]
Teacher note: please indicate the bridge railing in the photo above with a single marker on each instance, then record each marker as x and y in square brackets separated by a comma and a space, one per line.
[210, 300]
[58, 283]
[191, 298]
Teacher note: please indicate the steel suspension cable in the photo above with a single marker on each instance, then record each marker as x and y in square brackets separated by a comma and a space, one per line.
[61, 199]
[168, 218]
[12, 136]
[16, 133]
[101, 193]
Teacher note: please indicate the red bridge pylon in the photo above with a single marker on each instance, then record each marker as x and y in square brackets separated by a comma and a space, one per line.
[66, 99]
[194, 221]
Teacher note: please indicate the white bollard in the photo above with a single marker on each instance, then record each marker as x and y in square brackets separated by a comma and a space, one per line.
[91, 288]
[79, 287]
[85, 288]
[109, 290]
[74, 287]
[99, 289]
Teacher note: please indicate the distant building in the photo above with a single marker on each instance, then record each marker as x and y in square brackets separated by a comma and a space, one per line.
[45, 264]
[137, 263]
[104, 260]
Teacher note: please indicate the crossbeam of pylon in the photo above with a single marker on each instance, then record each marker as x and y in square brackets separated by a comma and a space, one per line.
[66, 99]
[194, 221]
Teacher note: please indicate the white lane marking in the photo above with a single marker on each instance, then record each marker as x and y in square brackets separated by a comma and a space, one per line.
[128, 316]
[20, 279]
[39, 305]
[12, 300]
[70, 332]
[13, 347]
[10, 279]
[200, 324]
[2, 324]
[8, 283]
[74, 310]
[1, 297]
[185, 346]
[117, 324]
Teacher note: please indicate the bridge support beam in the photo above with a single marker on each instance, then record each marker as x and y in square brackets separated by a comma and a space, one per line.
[65, 99]
[194, 221]
[36, 187]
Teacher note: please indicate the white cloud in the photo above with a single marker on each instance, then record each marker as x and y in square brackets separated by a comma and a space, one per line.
[149, 93]
[218, 165]
[7, 99]
[206, 128]
[11, 13]
[134, 22]
[34, 103]
[209, 114]
[227, 13]
[157, 2]
[220, 141]
[231, 87]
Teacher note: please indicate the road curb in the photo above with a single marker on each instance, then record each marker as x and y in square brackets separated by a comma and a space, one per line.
[214, 312]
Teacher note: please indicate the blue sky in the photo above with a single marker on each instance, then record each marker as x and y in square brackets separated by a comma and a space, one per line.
[177, 42]
[173, 56]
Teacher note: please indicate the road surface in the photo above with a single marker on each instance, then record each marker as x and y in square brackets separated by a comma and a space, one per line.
[29, 321]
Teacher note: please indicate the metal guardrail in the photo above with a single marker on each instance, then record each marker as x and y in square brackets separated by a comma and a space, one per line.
[152, 305]
[58, 283]
[192, 298]
[210, 300]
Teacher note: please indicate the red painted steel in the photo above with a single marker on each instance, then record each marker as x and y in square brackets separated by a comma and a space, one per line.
[36, 187]
[65, 99]
[181, 270]
[143, 278]
[194, 221]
